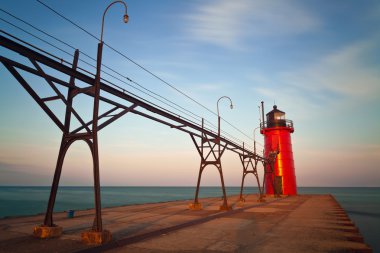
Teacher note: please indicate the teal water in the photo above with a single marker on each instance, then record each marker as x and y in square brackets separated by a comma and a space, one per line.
[361, 204]
[16, 201]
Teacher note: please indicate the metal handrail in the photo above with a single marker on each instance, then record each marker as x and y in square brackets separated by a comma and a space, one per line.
[149, 110]
[277, 123]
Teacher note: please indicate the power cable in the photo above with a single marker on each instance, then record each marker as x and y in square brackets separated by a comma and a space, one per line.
[188, 113]
[61, 41]
[142, 67]
[110, 83]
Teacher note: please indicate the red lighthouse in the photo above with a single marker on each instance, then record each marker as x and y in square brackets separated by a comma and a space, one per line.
[276, 130]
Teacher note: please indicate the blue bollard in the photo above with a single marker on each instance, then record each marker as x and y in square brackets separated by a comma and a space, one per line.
[70, 214]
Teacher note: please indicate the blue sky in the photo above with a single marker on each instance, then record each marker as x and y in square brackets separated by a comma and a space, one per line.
[318, 60]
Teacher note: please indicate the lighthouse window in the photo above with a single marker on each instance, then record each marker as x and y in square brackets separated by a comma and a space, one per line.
[279, 116]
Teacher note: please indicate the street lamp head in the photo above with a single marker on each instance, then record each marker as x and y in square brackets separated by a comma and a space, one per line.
[217, 104]
[126, 18]
[232, 106]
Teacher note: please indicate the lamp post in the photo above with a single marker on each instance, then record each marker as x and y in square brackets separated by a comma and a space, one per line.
[260, 114]
[225, 205]
[96, 90]
[217, 107]
[254, 139]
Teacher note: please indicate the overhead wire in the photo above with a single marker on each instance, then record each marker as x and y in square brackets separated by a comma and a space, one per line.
[142, 67]
[65, 43]
[128, 58]
[62, 60]
[67, 62]
[182, 109]
[68, 45]
[50, 44]
[112, 84]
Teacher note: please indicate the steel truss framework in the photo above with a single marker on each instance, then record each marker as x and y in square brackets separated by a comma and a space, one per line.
[269, 170]
[250, 167]
[210, 150]
[209, 145]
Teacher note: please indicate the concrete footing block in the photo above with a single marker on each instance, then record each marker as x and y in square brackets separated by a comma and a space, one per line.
[225, 207]
[95, 238]
[195, 206]
[261, 200]
[47, 232]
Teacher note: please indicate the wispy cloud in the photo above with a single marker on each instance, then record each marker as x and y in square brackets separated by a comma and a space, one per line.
[228, 23]
[344, 74]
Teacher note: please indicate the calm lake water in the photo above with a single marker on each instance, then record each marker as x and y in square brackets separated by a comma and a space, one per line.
[361, 204]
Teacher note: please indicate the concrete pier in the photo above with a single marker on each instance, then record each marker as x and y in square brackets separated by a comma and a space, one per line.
[304, 223]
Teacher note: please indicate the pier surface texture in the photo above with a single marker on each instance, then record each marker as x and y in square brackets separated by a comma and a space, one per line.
[303, 223]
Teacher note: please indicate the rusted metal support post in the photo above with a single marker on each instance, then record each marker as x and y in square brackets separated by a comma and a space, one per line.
[49, 229]
[62, 151]
[215, 160]
[219, 167]
[261, 191]
[247, 163]
[225, 205]
[201, 168]
[196, 205]
[97, 235]
[48, 222]
[98, 209]
[269, 176]
[241, 198]
[244, 174]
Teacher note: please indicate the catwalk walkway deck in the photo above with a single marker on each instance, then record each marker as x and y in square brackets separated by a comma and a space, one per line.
[305, 223]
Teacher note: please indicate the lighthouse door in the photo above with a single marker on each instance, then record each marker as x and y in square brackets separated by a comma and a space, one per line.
[278, 185]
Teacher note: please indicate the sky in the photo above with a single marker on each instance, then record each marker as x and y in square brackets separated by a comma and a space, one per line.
[318, 61]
